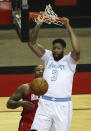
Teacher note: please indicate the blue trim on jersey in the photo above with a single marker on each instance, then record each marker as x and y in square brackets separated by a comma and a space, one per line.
[56, 99]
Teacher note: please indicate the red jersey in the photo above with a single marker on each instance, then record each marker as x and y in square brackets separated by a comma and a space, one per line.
[28, 115]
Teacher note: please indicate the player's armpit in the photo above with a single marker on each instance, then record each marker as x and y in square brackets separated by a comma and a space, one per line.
[37, 49]
[75, 56]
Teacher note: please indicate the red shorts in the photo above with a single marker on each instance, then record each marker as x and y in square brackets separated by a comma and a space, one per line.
[25, 125]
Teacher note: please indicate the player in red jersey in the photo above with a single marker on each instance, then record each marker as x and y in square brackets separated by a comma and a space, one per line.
[29, 101]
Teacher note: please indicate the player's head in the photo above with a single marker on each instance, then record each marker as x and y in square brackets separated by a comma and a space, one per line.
[59, 46]
[39, 71]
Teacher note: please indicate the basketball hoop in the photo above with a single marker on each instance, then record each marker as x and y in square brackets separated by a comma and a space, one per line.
[48, 16]
[21, 17]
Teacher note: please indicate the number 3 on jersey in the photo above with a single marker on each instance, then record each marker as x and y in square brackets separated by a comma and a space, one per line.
[54, 75]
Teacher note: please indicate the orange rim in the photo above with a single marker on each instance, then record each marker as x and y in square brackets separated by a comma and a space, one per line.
[35, 15]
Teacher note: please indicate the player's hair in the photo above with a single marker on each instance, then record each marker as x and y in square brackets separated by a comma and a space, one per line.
[61, 41]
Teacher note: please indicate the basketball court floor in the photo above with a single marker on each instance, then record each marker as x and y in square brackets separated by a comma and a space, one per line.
[81, 121]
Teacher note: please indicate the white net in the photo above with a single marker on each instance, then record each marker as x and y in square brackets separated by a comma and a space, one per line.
[48, 16]
[18, 20]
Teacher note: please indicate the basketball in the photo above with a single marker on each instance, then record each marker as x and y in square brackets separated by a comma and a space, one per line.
[39, 86]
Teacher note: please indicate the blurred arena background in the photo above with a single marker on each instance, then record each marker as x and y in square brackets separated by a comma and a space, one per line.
[17, 61]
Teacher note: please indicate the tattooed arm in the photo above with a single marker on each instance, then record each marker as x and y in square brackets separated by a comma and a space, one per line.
[14, 101]
[36, 48]
[74, 41]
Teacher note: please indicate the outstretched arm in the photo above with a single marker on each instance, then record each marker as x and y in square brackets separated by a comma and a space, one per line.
[75, 45]
[14, 101]
[36, 48]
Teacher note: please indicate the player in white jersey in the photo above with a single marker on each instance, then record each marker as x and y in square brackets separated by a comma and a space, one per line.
[55, 107]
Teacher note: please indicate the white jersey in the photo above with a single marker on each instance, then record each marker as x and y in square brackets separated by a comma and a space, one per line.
[59, 75]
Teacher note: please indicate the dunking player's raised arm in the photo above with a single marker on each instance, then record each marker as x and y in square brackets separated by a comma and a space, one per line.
[75, 45]
[36, 48]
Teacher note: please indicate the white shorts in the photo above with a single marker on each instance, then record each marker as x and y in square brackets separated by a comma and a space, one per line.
[55, 115]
